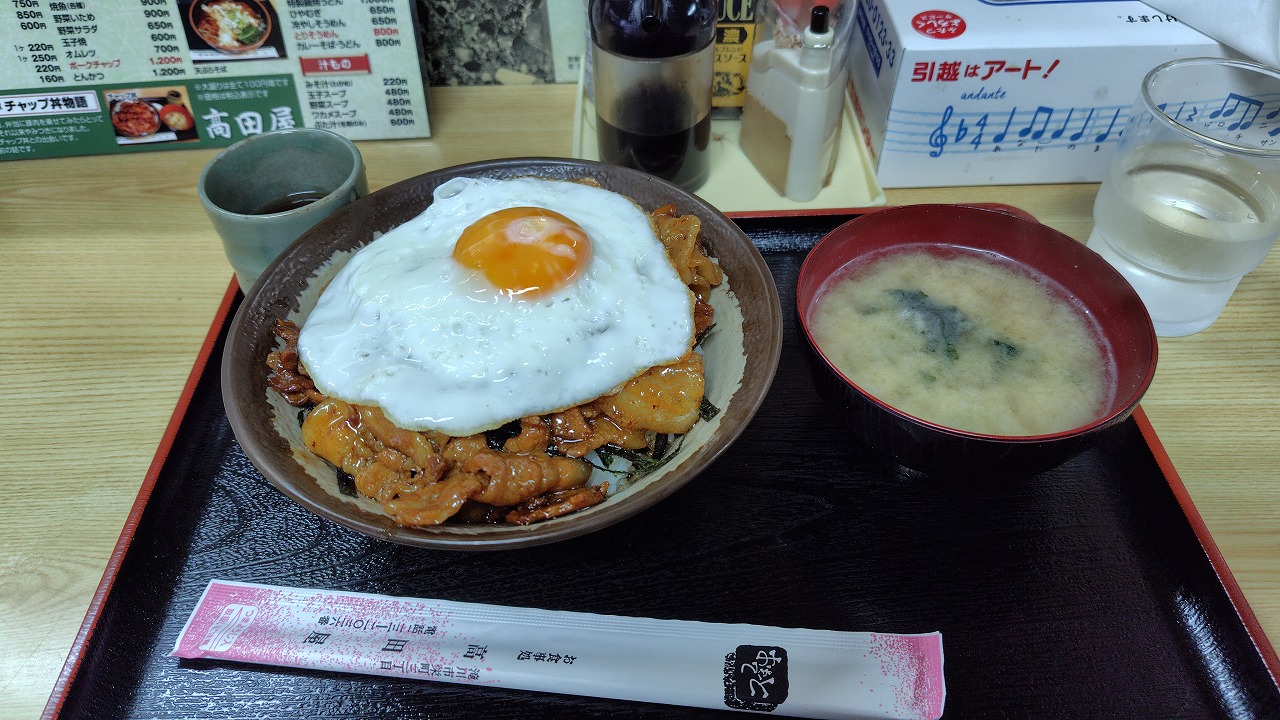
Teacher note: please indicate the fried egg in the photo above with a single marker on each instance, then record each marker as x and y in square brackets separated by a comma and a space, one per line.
[504, 299]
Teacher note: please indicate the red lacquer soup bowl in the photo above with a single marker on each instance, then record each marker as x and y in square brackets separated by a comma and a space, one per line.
[1064, 267]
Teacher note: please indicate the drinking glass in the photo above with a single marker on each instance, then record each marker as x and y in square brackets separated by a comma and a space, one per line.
[1191, 201]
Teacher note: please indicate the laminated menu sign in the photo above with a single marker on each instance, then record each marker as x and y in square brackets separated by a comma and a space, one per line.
[90, 78]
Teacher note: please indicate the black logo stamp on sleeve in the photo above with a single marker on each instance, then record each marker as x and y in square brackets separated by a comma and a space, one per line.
[755, 678]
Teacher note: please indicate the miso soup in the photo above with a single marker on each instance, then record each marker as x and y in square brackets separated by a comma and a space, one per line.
[964, 341]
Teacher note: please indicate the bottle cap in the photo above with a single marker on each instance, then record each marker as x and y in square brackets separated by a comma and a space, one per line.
[819, 19]
[819, 33]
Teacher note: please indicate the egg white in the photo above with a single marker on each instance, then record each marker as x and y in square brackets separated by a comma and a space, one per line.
[405, 327]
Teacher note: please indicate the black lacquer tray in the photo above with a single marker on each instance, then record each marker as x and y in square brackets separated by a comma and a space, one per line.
[1091, 591]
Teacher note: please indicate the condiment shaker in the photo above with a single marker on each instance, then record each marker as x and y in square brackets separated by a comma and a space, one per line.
[792, 114]
[652, 63]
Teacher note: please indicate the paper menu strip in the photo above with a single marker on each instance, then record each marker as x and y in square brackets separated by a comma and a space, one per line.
[785, 671]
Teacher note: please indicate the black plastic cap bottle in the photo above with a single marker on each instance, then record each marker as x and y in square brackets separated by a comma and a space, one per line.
[652, 65]
[652, 28]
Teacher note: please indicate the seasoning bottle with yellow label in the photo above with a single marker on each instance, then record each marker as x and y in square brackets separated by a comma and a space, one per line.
[652, 63]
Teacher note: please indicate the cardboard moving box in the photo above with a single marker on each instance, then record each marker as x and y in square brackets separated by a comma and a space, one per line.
[984, 92]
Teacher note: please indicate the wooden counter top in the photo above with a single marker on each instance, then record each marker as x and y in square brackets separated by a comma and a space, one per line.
[113, 274]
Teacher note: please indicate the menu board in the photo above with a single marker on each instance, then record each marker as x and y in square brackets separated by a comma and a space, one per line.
[81, 77]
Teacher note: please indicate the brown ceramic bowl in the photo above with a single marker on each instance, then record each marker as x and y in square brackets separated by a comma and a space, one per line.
[1122, 329]
[741, 355]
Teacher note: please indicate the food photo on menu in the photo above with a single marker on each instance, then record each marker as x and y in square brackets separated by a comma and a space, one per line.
[226, 30]
[151, 115]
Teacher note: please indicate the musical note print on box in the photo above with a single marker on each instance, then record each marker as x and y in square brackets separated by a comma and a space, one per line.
[1234, 118]
[1042, 127]
[1031, 129]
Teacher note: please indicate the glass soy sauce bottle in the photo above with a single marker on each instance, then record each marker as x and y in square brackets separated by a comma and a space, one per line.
[652, 63]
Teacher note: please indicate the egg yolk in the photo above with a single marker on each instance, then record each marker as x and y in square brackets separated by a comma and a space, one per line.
[525, 250]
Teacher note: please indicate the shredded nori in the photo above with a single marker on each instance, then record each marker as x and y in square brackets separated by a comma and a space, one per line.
[347, 484]
[498, 437]
[706, 410]
[658, 447]
[697, 340]
[661, 449]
